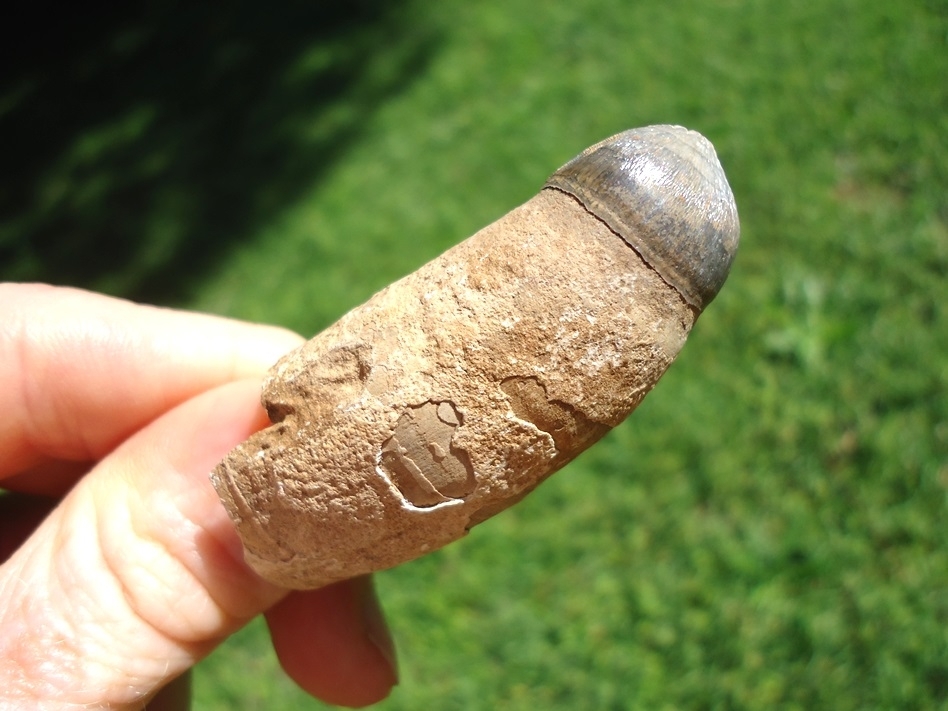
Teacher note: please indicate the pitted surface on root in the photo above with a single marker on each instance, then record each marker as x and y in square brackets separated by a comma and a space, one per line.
[450, 395]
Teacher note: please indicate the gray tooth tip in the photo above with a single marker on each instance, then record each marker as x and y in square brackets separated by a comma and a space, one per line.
[663, 190]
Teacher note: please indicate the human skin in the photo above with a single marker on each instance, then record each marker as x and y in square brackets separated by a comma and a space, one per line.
[120, 568]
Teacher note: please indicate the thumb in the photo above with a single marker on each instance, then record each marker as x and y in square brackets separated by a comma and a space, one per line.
[138, 572]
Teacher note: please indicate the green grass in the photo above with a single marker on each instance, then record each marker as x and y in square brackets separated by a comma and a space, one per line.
[770, 529]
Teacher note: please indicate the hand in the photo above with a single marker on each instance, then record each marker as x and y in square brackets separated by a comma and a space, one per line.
[121, 567]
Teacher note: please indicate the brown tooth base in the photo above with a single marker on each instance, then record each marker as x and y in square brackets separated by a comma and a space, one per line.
[449, 395]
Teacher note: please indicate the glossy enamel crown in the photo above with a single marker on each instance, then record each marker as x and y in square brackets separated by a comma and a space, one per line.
[663, 190]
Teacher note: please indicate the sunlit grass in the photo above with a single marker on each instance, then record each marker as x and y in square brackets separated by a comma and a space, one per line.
[768, 530]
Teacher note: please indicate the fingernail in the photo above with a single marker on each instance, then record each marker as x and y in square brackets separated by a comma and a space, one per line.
[376, 629]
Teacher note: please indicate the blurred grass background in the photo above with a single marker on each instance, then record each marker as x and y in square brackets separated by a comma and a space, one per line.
[768, 531]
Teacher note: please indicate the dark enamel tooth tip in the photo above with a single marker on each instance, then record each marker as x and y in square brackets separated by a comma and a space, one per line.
[663, 190]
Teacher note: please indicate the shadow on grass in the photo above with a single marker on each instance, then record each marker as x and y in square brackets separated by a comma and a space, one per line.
[140, 141]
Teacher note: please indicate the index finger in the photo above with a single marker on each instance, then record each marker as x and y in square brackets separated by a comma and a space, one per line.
[81, 372]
